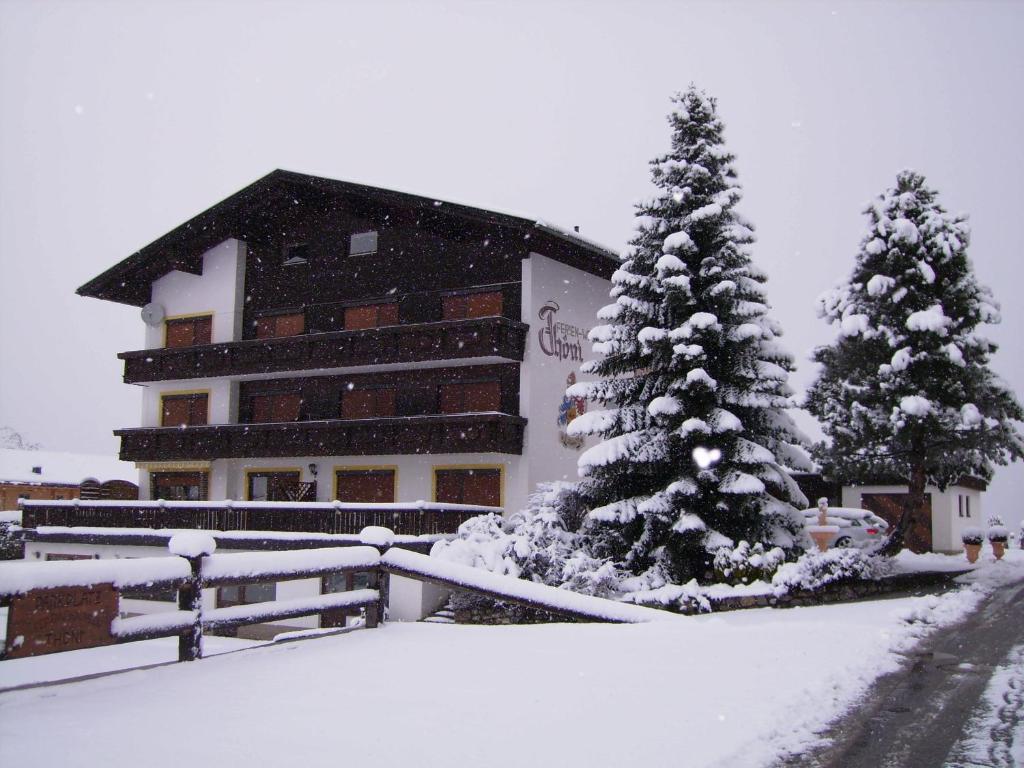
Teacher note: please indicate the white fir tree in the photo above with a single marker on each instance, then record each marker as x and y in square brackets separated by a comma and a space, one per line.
[696, 440]
[905, 390]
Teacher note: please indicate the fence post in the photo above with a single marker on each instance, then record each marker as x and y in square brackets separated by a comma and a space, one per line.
[373, 612]
[383, 589]
[193, 546]
[190, 598]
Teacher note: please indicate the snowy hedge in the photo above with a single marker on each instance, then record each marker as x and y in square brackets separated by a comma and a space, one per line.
[535, 544]
[819, 569]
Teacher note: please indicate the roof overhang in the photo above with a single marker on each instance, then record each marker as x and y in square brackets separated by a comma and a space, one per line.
[130, 281]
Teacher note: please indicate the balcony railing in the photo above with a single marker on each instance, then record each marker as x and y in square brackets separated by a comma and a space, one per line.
[463, 433]
[446, 340]
[417, 519]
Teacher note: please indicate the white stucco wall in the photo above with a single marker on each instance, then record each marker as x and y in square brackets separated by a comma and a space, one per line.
[218, 290]
[555, 347]
[411, 600]
[415, 472]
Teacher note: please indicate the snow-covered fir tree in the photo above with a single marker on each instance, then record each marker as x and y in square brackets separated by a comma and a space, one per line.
[696, 441]
[906, 389]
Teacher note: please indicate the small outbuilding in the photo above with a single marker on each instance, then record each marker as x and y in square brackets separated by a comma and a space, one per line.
[959, 506]
[52, 475]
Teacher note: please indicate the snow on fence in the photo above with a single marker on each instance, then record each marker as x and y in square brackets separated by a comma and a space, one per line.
[510, 589]
[191, 568]
[333, 517]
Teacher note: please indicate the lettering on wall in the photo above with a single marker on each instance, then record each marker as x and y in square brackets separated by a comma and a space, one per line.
[557, 339]
[60, 619]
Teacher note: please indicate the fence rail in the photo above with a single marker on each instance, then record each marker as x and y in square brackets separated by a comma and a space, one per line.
[193, 574]
[294, 517]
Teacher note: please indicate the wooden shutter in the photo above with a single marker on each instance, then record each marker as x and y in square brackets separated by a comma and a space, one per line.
[290, 325]
[202, 330]
[453, 307]
[366, 486]
[180, 333]
[357, 404]
[482, 396]
[359, 318]
[285, 407]
[451, 399]
[384, 402]
[468, 486]
[261, 408]
[483, 487]
[276, 326]
[448, 487]
[483, 304]
[198, 409]
[370, 316]
[265, 328]
[175, 411]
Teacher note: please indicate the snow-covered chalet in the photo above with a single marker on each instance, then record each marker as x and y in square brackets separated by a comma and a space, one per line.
[314, 340]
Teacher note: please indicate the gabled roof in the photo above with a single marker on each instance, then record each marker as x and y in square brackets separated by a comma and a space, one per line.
[18, 466]
[129, 281]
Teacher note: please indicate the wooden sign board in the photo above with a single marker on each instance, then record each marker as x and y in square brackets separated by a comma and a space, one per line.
[60, 619]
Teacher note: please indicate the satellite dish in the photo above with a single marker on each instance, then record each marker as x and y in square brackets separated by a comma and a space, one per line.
[153, 314]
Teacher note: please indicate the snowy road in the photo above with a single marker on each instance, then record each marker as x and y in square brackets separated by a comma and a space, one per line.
[958, 702]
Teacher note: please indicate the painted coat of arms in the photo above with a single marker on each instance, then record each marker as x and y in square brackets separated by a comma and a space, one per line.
[569, 409]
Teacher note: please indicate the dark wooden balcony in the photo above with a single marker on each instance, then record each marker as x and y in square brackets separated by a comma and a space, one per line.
[446, 340]
[463, 433]
[292, 517]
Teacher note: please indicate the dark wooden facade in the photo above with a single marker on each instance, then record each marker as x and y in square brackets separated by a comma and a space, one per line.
[409, 520]
[451, 340]
[476, 433]
[339, 276]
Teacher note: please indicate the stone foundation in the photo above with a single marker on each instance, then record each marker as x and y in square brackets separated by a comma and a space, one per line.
[472, 609]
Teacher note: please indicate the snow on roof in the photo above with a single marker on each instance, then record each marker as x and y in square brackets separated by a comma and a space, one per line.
[16, 466]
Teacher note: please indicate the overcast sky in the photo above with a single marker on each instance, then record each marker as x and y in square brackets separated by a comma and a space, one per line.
[121, 120]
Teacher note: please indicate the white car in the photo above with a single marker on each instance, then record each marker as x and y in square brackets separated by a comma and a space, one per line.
[857, 527]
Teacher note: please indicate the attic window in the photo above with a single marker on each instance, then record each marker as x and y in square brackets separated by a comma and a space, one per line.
[362, 243]
[296, 254]
[37, 470]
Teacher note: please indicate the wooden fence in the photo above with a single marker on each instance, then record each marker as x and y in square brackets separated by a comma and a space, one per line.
[305, 517]
[98, 580]
[190, 621]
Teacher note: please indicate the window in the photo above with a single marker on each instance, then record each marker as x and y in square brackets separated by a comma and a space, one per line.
[967, 505]
[469, 305]
[184, 410]
[296, 255]
[246, 594]
[272, 486]
[472, 397]
[367, 403]
[370, 316]
[179, 486]
[365, 486]
[362, 243]
[188, 331]
[278, 326]
[280, 407]
[468, 486]
[960, 504]
[51, 556]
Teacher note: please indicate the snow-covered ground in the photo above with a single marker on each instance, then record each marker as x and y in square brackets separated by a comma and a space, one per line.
[92, 661]
[736, 689]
